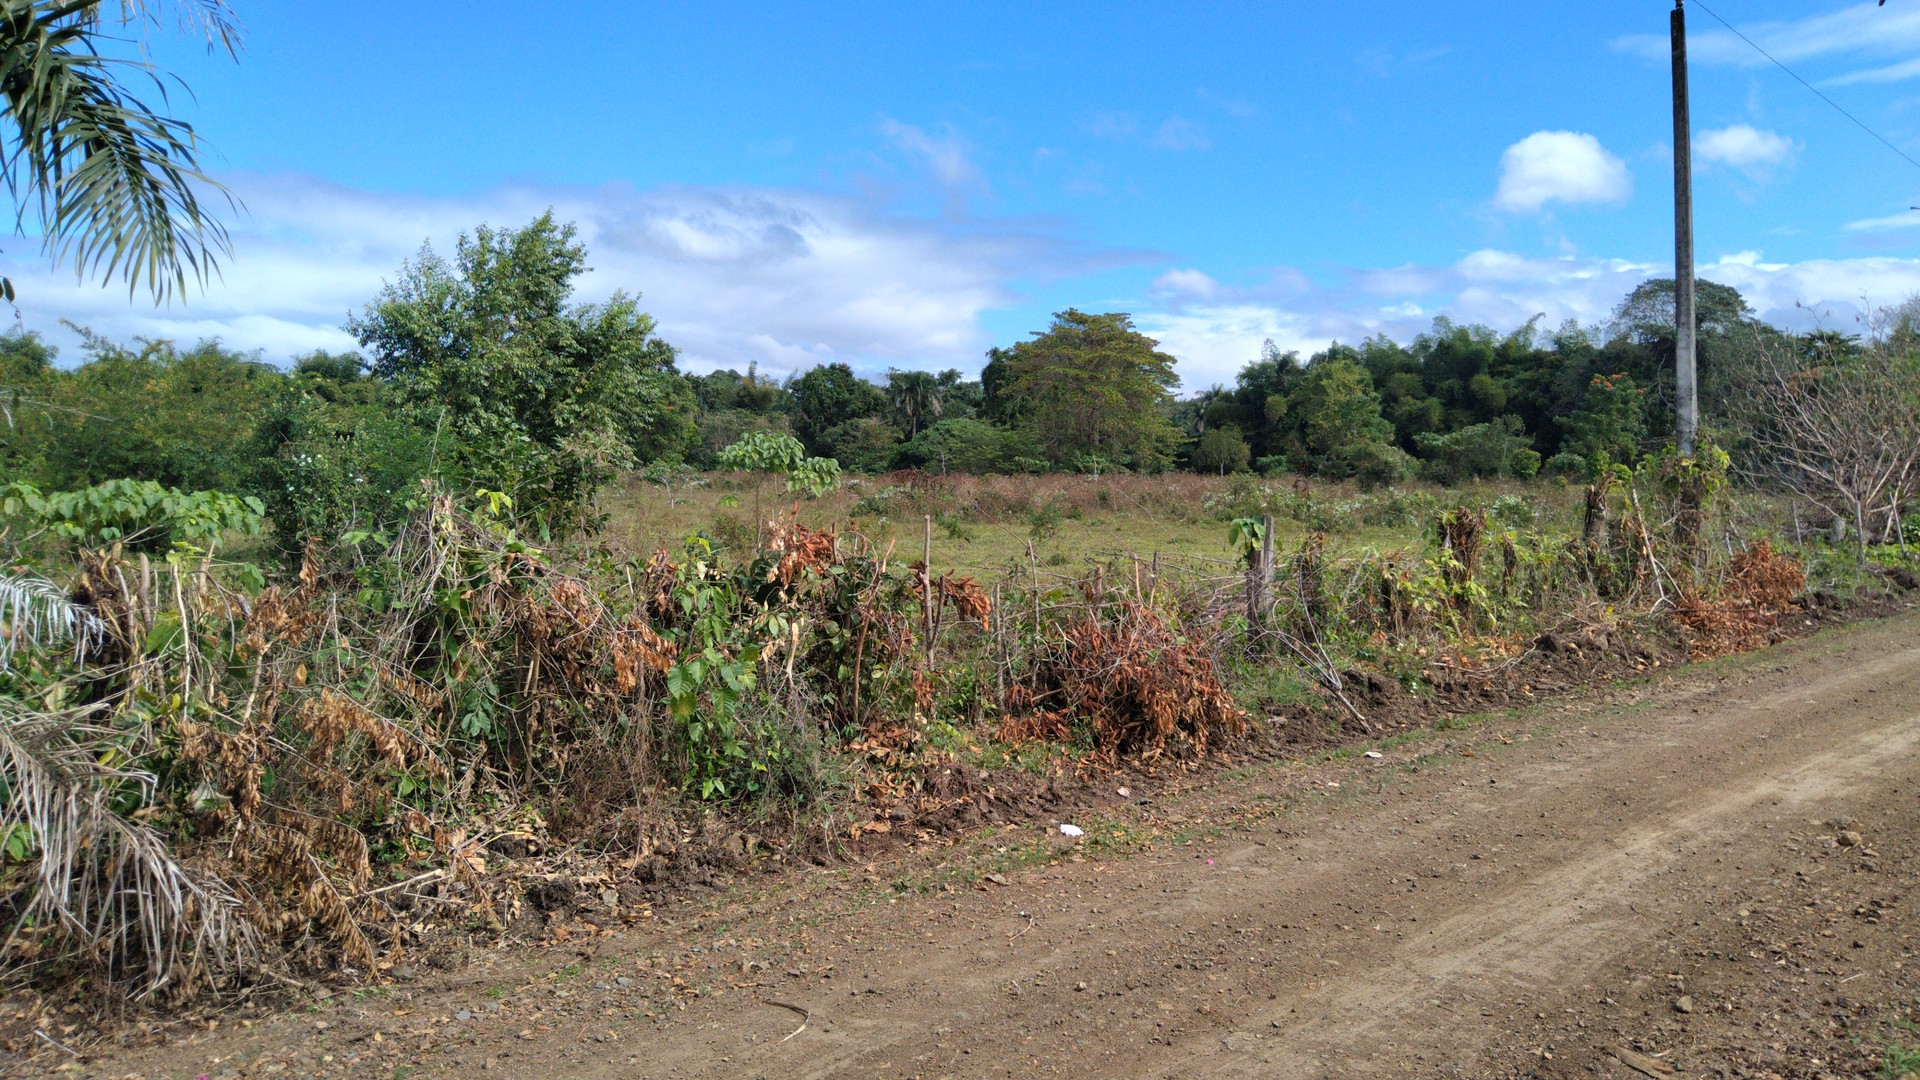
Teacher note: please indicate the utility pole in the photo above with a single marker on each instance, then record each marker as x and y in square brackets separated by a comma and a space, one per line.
[1686, 386]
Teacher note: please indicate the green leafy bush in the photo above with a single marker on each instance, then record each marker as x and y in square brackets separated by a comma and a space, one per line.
[967, 446]
[1473, 452]
[138, 513]
[1221, 450]
[1377, 465]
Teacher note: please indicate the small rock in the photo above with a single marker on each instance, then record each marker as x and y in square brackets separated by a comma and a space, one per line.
[1080, 986]
[1683, 1004]
[463, 1014]
[1847, 838]
[622, 980]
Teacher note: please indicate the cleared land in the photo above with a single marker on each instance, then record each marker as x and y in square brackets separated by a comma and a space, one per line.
[1716, 870]
[983, 524]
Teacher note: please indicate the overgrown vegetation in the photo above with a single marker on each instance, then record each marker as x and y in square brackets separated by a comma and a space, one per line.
[297, 664]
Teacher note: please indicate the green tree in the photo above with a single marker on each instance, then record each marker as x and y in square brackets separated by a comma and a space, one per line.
[728, 389]
[334, 451]
[828, 396]
[1221, 450]
[960, 397]
[1610, 422]
[181, 419]
[964, 445]
[864, 445]
[1094, 387]
[1641, 344]
[1495, 448]
[114, 187]
[1330, 415]
[916, 398]
[27, 377]
[534, 395]
[1259, 400]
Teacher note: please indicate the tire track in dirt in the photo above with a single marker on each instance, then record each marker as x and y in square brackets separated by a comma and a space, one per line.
[1351, 988]
[1557, 924]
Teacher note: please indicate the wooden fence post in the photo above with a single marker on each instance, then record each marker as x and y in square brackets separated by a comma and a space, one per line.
[931, 602]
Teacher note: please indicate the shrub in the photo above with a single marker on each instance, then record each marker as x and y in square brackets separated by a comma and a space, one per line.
[1377, 465]
[964, 445]
[866, 445]
[1513, 511]
[1400, 509]
[1221, 450]
[138, 513]
[1567, 464]
[1479, 450]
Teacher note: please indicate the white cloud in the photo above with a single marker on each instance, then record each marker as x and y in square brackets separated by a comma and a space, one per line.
[1237, 107]
[1174, 133]
[793, 278]
[1864, 31]
[1560, 166]
[1864, 28]
[787, 277]
[1753, 260]
[1214, 336]
[944, 156]
[1112, 125]
[1904, 220]
[1744, 147]
[1180, 133]
[1889, 73]
[1185, 283]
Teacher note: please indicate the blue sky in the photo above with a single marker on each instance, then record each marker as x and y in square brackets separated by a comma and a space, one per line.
[906, 184]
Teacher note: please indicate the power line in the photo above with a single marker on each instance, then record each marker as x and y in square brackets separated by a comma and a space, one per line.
[1816, 93]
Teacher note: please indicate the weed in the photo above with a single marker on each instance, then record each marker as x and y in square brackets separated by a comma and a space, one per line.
[1901, 1059]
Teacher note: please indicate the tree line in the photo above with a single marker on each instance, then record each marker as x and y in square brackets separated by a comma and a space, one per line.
[483, 371]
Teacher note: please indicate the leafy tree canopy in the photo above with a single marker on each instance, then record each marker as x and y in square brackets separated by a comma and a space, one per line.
[828, 396]
[536, 395]
[1093, 386]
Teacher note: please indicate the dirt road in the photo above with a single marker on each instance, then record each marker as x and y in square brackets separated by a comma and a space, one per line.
[1714, 870]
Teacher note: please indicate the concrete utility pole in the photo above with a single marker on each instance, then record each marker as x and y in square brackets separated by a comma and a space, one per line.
[1686, 388]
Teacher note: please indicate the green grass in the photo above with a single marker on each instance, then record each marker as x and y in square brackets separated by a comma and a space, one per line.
[1902, 1059]
[984, 525]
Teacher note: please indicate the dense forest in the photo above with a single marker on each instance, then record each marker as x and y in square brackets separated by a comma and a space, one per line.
[483, 372]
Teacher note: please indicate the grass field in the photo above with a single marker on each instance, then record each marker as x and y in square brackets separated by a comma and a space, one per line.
[981, 524]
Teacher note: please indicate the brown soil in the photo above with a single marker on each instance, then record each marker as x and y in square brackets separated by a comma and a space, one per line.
[1713, 870]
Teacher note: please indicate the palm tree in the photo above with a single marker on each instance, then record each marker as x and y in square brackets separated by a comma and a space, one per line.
[1203, 402]
[113, 187]
[915, 396]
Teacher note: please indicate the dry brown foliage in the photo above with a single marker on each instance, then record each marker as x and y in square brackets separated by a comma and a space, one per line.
[1141, 688]
[1760, 585]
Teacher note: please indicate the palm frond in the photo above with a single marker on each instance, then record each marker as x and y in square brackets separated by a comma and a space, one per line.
[106, 886]
[115, 184]
[212, 19]
[34, 613]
